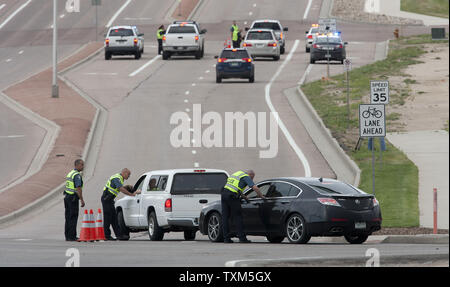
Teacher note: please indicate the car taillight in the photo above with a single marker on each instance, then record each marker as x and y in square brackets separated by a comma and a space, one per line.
[164, 38]
[196, 38]
[135, 41]
[328, 201]
[375, 202]
[221, 60]
[199, 170]
[315, 46]
[310, 36]
[248, 60]
[107, 42]
[168, 205]
[281, 35]
[340, 46]
[272, 44]
[248, 45]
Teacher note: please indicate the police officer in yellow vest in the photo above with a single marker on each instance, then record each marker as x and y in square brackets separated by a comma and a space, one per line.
[72, 195]
[231, 204]
[235, 35]
[112, 188]
[159, 35]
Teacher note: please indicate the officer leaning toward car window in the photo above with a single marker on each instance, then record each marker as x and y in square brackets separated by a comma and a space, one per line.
[72, 195]
[235, 35]
[159, 35]
[231, 204]
[112, 188]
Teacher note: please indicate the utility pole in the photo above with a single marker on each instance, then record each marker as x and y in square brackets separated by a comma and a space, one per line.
[55, 90]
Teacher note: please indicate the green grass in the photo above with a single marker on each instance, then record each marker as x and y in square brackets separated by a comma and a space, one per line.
[396, 179]
[437, 8]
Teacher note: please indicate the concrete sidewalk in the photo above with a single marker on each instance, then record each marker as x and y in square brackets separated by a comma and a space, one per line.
[429, 152]
[392, 8]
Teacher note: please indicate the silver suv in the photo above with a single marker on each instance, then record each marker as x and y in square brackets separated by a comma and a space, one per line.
[262, 43]
[124, 40]
[274, 25]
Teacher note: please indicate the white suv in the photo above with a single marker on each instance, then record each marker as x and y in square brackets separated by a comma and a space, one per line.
[170, 200]
[124, 40]
[274, 25]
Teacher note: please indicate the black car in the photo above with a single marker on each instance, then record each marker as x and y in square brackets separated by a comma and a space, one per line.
[235, 63]
[324, 47]
[299, 208]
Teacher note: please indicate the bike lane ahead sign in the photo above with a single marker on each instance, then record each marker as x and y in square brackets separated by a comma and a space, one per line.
[372, 120]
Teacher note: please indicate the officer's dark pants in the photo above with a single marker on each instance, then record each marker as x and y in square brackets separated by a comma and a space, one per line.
[159, 46]
[231, 207]
[71, 215]
[236, 44]
[109, 215]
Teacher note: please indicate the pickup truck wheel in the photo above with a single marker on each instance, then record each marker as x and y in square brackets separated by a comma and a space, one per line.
[189, 234]
[218, 79]
[124, 230]
[107, 56]
[215, 232]
[276, 58]
[165, 55]
[251, 79]
[155, 233]
[282, 50]
[198, 54]
[137, 56]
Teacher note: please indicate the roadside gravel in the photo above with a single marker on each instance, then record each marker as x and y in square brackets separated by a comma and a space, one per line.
[408, 231]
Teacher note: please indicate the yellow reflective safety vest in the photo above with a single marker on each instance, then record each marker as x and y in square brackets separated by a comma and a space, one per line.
[233, 182]
[70, 184]
[114, 191]
[235, 32]
[159, 34]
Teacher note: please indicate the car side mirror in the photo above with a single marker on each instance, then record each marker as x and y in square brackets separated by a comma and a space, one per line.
[285, 29]
[247, 28]
[216, 57]
[141, 35]
[345, 43]
[203, 31]
[306, 32]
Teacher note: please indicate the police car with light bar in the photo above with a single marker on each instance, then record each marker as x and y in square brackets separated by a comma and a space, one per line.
[328, 47]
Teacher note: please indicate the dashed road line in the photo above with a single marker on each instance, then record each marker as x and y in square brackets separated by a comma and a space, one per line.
[15, 13]
[117, 13]
[307, 9]
[144, 66]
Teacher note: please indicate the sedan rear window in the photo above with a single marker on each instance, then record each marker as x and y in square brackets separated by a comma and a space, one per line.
[333, 40]
[198, 183]
[121, 32]
[336, 188]
[238, 54]
[259, 36]
[182, 30]
[267, 25]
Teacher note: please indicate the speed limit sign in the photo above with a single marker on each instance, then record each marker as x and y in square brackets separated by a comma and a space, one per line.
[379, 92]
[347, 64]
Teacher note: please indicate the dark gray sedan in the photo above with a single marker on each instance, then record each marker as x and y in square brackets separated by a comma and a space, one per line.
[299, 208]
[328, 47]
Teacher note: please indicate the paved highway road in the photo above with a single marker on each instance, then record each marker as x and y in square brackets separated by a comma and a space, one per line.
[140, 101]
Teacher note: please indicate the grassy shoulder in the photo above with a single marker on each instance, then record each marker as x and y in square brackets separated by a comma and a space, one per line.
[396, 177]
[437, 8]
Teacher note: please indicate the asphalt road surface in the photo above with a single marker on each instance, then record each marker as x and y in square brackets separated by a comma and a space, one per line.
[140, 102]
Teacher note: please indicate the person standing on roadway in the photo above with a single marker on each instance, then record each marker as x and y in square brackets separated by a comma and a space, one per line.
[231, 204]
[159, 35]
[72, 195]
[112, 188]
[235, 35]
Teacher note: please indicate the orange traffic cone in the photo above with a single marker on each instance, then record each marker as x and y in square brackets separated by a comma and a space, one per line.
[91, 226]
[85, 230]
[99, 231]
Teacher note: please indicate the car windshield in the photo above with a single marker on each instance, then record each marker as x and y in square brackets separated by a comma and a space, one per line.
[121, 32]
[332, 40]
[238, 54]
[336, 187]
[259, 36]
[314, 30]
[182, 30]
[267, 25]
[198, 183]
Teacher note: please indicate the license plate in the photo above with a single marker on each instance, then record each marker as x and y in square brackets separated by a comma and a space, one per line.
[327, 56]
[234, 64]
[259, 45]
[360, 225]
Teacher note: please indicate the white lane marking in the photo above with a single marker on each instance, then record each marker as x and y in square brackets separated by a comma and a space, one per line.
[186, 101]
[207, 71]
[250, 13]
[144, 66]
[8, 60]
[245, 22]
[254, 5]
[2, 6]
[20, 52]
[187, 110]
[194, 152]
[12, 137]
[62, 16]
[187, 93]
[117, 13]
[15, 13]
[101, 74]
[196, 164]
[308, 69]
[280, 123]
[200, 78]
[23, 239]
[307, 9]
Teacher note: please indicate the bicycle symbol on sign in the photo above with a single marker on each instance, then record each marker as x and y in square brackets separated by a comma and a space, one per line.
[372, 112]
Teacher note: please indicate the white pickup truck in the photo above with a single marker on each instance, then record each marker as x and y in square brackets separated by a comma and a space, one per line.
[183, 38]
[170, 200]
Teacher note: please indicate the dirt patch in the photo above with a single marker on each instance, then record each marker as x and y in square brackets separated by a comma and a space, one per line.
[426, 106]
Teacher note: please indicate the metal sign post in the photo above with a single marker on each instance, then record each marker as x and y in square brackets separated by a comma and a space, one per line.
[347, 67]
[372, 124]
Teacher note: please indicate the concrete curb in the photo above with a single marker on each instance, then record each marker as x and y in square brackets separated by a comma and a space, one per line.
[47, 200]
[343, 166]
[341, 262]
[417, 239]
